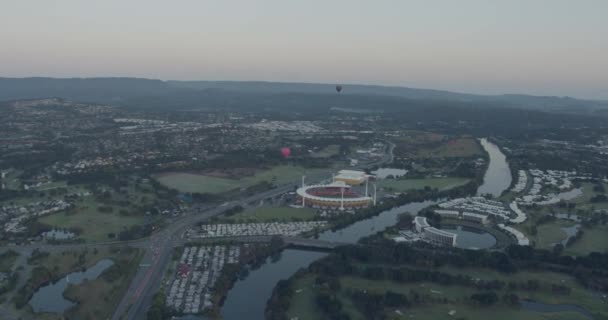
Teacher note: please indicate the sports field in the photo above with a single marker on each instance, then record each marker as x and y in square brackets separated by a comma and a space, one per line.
[402, 185]
[192, 182]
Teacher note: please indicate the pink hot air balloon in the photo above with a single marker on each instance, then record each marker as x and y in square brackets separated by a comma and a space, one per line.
[285, 152]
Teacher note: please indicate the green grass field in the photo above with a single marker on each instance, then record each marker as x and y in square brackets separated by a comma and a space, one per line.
[455, 148]
[7, 259]
[454, 294]
[12, 181]
[583, 202]
[403, 185]
[595, 239]
[327, 152]
[52, 185]
[303, 304]
[440, 312]
[550, 233]
[95, 225]
[190, 182]
[264, 214]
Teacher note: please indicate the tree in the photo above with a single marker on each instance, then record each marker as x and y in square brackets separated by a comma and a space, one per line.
[404, 220]
[395, 299]
[485, 298]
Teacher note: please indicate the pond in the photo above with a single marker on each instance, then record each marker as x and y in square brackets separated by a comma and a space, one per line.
[471, 238]
[50, 298]
[383, 173]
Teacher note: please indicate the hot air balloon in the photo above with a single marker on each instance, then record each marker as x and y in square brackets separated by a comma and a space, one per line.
[285, 152]
[338, 88]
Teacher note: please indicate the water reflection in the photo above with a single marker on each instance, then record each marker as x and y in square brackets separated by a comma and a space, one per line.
[471, 238]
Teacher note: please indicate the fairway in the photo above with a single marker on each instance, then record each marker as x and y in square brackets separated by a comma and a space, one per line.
[548, 234]
[329, 151]
[7, 259]
[95, 225]
[265, 214]
[403, 185]
[191, 182]
[595, 239]
[584, 202]
[303, 305]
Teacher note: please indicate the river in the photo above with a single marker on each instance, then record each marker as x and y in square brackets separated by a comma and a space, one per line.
[248, 298]
[498, 176]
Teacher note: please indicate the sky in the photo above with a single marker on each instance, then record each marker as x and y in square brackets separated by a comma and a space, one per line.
[542, 47]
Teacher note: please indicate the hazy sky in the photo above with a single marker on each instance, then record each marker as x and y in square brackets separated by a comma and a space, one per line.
[551, 47]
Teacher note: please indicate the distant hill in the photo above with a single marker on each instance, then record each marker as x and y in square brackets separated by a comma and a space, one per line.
[157, 94]
[101, 90]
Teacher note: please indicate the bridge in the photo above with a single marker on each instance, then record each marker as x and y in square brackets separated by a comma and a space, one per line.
[295, 242]
[307, 243]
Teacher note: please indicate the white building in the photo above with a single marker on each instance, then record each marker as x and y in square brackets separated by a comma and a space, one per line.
[450, 214]
[440, 237]
[475, 217]
[351, 177]
[434, 235]
[522, 240]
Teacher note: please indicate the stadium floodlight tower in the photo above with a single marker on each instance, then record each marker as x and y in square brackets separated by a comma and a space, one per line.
[342, 199]
[303, 198]
[374, 194]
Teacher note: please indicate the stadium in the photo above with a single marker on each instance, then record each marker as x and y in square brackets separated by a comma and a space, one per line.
[336, 195]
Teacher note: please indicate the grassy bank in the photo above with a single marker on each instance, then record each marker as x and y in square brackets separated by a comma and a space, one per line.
[402, 185]
[266, 214]
[192, 182]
